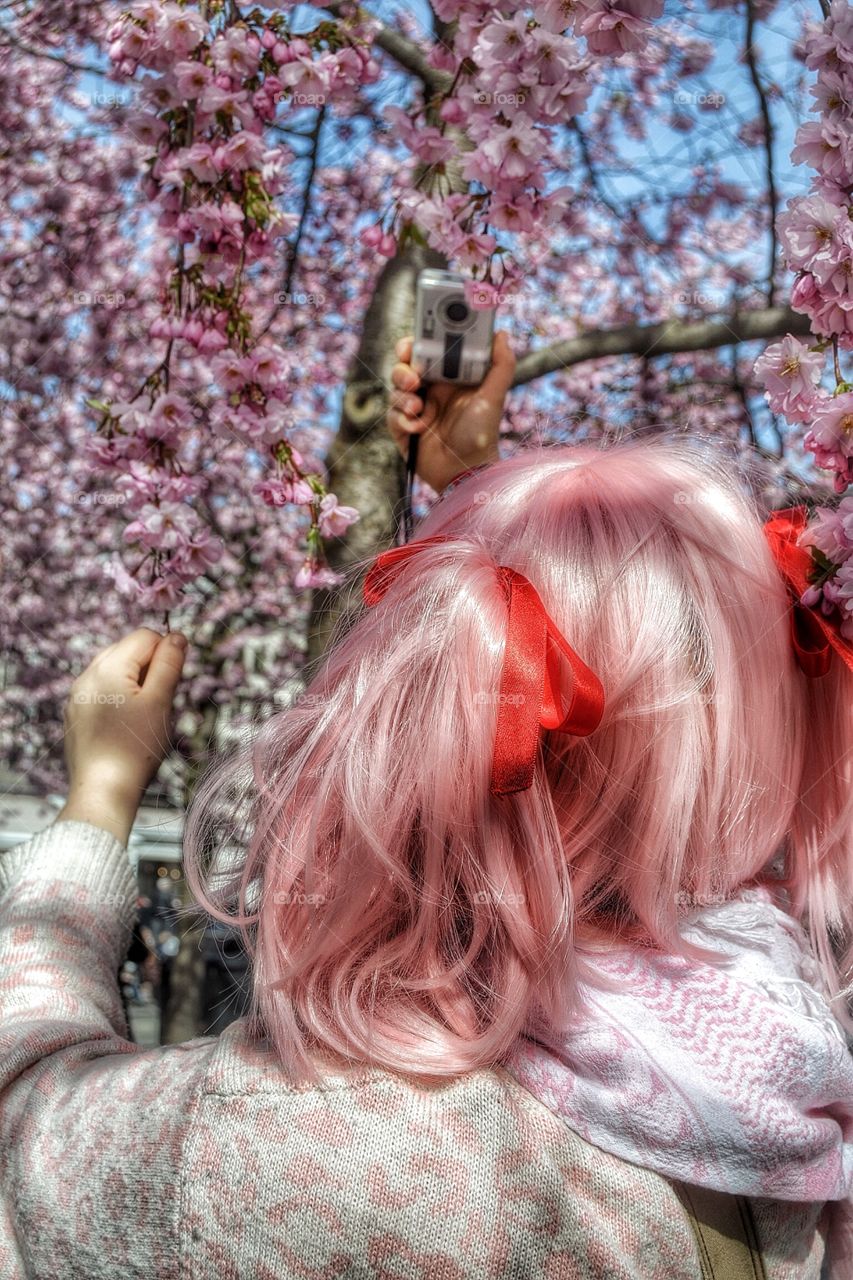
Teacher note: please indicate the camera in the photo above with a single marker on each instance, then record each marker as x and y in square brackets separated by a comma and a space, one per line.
[453, 341]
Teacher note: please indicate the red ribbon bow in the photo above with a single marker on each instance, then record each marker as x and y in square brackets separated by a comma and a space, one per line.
[813, 635]
[529, 695]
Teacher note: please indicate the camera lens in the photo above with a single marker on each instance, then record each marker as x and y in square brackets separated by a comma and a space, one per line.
[457, 312]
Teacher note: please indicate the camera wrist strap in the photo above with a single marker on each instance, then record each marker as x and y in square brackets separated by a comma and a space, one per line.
[406, 521]
[411, 467]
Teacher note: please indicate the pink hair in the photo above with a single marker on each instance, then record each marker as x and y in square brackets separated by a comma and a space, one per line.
[397, 913]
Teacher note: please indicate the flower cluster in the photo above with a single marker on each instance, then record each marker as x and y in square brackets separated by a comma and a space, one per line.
[513, 73]
[212, 86]
[829, 537]
[89, 271]
[817, 235]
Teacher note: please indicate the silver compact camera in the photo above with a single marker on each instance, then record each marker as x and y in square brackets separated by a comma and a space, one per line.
[453, 342]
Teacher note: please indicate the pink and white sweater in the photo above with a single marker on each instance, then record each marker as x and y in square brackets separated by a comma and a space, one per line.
[202, 1160]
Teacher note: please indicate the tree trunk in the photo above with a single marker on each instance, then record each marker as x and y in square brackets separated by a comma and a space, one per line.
[365, 467]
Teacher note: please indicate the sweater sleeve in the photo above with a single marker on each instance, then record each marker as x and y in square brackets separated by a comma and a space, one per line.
[92, 1125]
[67, 905]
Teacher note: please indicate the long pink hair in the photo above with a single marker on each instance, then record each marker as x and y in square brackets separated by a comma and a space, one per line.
[399, 914]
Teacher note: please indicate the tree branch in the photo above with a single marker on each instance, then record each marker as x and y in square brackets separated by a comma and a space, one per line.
[12, 42]
[772, 194]
[665, 338]
[293, 246]
[398, 47]
[593, 178]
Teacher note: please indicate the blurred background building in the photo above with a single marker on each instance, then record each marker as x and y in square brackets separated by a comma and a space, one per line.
[181, 978]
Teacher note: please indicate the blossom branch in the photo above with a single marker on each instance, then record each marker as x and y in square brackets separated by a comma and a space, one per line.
[404, 52]
[292, 257]
[665, 338]
[764, 107]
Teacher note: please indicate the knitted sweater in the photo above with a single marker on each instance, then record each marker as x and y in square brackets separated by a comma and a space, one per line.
[202, 1160]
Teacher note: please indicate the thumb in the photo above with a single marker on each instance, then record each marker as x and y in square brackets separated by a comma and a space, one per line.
[165, 667]
[498, 380]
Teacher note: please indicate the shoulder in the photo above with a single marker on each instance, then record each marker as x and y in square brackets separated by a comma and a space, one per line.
[411, 1169]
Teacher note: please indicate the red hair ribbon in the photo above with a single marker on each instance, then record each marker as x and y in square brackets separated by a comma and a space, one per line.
[813, 635]
[529, 697]
[384, 568]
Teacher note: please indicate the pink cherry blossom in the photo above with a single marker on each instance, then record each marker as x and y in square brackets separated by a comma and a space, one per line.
[808, 228]
[169, 411]
[280, 492]
[191, 78]
[506, 152]
[179, 29]
[480, 295]
[832, 426]
[169, 525]
[555, 15]
[235, 53]
[242, 151]
[827, 532]
[335, 519]
[616, 26]
[313, 575]
[791, 373]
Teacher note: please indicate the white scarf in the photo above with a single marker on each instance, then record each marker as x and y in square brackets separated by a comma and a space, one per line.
[734, 1076]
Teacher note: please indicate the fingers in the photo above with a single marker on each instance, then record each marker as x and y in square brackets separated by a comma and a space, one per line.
[165, 667]
[408, 412]
[402, 424]
[405, 377]
[145, 658]
[401, 427]
[498, 380]
[128, 656]
[406, 402]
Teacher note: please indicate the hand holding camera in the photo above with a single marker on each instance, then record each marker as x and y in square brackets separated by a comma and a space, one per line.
[458, 425]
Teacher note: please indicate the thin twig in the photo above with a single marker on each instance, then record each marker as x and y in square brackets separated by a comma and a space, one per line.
[293, 246]
[772, 194]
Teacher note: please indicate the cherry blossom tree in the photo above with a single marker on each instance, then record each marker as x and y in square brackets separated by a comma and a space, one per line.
[214, 215]
[805, 380]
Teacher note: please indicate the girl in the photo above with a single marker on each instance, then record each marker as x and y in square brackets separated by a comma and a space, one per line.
[546, 878]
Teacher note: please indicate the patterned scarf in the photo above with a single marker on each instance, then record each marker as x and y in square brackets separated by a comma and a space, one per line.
[733, 1075]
